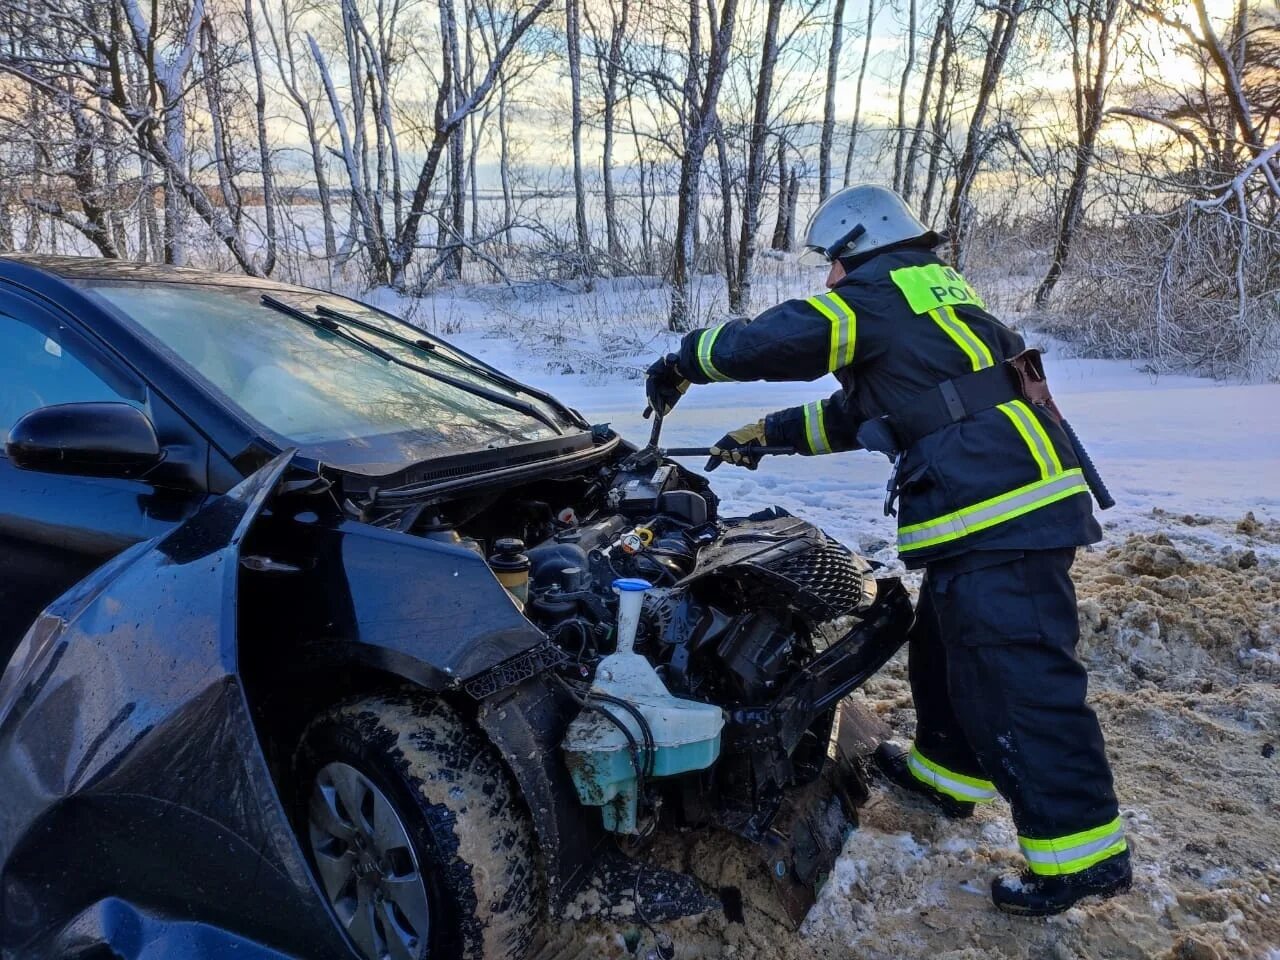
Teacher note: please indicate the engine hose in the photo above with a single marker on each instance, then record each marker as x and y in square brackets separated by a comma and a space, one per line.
[633, 746]
[651, 748]
[646, 731]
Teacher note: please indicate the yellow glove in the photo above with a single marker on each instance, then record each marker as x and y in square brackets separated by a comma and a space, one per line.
[737, 447]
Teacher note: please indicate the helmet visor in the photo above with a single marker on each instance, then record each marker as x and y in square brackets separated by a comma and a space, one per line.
[813, 257]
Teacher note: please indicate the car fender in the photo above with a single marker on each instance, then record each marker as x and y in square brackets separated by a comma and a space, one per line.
[429, 612]
[137, 796]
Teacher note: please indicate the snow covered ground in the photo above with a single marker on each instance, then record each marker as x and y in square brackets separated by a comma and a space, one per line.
[1174, 443]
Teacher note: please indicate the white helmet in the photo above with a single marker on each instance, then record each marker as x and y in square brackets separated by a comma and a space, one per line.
[860, 219]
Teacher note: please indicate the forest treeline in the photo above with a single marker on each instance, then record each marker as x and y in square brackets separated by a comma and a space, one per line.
[1134, 144]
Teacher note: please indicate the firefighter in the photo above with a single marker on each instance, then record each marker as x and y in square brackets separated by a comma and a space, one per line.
[991, 503]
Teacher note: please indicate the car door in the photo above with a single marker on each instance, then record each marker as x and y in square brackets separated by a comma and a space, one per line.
[54, 527]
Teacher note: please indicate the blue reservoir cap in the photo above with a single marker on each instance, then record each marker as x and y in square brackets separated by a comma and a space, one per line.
[631, 584]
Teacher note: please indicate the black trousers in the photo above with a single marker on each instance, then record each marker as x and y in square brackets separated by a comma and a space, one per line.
[1000, 694]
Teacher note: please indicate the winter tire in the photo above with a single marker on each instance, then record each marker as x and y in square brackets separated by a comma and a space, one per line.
[417, 837]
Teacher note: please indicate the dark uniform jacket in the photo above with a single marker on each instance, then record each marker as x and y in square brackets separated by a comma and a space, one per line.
[899, 324]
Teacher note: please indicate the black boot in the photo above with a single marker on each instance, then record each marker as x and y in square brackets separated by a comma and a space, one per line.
[1031, 895]
[891, 760]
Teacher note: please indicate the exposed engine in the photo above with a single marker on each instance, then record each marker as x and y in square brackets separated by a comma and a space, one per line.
[763, 616]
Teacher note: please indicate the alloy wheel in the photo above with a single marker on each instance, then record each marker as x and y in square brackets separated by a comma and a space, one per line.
[367, 865]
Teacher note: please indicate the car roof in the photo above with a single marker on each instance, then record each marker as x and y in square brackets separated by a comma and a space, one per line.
[102, 268]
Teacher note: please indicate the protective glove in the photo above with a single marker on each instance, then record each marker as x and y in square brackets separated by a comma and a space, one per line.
[664, 385]
[737, 447]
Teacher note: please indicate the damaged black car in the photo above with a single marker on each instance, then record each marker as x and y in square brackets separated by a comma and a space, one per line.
[323, 638]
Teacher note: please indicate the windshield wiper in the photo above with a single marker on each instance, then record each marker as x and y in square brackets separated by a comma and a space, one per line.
[330, 325]
[445, 351]
[324, 323]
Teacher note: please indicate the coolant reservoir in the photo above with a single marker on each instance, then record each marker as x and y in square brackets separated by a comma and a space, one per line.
[686, 733]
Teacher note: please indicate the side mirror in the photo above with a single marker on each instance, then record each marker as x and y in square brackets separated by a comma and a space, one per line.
[89, 439]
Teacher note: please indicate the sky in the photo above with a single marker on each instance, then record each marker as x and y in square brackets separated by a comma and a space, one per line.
[1040, 86]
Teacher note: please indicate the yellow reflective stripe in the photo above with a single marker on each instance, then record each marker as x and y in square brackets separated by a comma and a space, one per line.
[815, 428]
[843, 328]
[988, 513]
[983, 353]
[1055, 464]
[1075, 852]
[963, 337]
[819, 304]
[706, 341]
[1077, 864]
[1033, 434]
[957, 785]
[842, 347]
[1015, 417]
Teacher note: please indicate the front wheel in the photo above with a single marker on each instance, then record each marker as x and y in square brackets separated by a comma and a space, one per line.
[417, 837]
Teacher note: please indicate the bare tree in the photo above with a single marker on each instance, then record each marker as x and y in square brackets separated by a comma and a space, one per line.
[290, 70]
[609, 67]
[264, 148]
[900, 134]
[701, 94]
[391, 250]
[829, 101]
[999, 42]
[940, 123]
[753, 189]
[857, 96]
[573, 38]
[1091, 27]
[784, 230]
[145, 59]
[941, 29]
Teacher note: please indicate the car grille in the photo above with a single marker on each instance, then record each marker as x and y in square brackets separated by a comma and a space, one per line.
[825, 579]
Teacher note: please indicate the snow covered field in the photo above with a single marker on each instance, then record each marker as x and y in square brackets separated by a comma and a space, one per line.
[1179, 444]
[1181, 630]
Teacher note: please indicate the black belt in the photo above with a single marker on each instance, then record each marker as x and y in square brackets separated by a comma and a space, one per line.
[949, 402]
[952, 401]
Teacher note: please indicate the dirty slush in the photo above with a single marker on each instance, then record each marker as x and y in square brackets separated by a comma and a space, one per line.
[1181, 633]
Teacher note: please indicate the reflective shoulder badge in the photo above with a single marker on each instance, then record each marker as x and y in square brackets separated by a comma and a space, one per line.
[933, 286]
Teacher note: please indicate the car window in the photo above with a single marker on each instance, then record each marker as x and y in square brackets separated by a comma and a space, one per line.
[305, 384]
[45, 363]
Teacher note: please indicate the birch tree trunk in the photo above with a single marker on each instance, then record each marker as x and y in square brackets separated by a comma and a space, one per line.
[169, 75]
[111, 179]
[456, 230]
[779, 239]
[829, 101]
[646, 233]
[700, 121]
[1092, 24]
[286, 64]
[1004, 29]
[726, 205]
[901, 133]
[789, 225]
[216, 105]
[264, 149]
[613, 65]
[938, 133]
[504, 161]
[857, 96]
[351, 140]
[922, 112]
[573, 38]
[753, 188]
